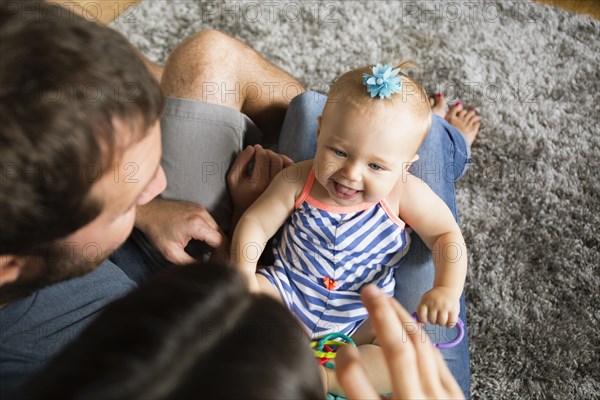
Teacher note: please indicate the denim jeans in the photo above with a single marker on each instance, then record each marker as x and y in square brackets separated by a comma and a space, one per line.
[444, 157]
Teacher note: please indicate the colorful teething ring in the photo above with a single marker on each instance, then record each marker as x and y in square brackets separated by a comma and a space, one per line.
[324, 351]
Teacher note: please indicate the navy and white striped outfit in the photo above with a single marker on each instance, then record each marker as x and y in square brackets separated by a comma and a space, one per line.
[325, 254]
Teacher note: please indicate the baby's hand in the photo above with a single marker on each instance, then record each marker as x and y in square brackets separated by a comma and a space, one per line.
[439, 306]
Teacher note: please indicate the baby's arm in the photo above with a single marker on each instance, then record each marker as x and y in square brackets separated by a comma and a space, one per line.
[262, 220]
[433, 221]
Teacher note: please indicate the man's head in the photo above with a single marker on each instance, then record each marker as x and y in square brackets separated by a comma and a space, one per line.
[79, 145]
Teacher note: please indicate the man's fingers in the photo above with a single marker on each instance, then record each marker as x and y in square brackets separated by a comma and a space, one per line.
[178, 256]
[240, 164]
[261, 163]
[275, 164]
[213, 238]
[267, 164]
[286, 161]
[352, 376]
[206, 218]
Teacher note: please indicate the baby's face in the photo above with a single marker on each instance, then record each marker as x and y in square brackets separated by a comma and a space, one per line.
[361, 157]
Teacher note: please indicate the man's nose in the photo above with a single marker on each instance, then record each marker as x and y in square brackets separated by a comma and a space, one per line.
[156, 187]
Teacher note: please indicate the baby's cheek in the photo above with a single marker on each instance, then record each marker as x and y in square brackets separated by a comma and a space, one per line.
[328, 168]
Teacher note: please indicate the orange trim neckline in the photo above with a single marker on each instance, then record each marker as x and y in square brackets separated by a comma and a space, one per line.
[305, 196]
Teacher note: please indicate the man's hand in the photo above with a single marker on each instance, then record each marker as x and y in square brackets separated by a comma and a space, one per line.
[246, 188]
[171, 224]
[439, 306]
[416, 368]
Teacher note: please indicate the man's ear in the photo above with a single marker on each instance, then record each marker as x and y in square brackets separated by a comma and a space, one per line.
[412, 160]
[10, 268]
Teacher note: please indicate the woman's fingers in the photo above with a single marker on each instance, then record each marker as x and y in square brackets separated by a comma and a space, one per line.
[398, 349]
[417, 369]
[450, 388]
[352, 376]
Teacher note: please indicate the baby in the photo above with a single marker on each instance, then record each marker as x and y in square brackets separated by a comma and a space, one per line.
[345, 215]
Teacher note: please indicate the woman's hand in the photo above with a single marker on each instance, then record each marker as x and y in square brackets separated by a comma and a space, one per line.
[171, 224]
[417, 369]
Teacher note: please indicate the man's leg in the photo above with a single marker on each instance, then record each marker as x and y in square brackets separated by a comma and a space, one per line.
[216, 68]
[221, 95]
[443, 156]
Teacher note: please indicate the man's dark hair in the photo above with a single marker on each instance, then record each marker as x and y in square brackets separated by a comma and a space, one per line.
[190, 332]
[63, 80]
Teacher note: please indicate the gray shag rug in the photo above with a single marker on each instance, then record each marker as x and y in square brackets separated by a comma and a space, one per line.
[530, 205]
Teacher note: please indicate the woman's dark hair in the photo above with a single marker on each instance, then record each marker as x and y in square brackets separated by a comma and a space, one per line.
[63, 81]
[191, 332]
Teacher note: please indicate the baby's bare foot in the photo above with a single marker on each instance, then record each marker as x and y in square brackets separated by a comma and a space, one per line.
[438, 104]
[466, 121]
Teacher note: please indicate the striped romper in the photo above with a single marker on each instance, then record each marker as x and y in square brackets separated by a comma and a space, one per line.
[325, 254]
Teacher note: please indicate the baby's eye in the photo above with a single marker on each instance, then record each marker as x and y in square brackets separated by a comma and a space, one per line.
[340, 153]
[375, 167]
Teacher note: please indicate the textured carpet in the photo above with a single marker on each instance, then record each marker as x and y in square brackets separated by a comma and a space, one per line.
[530, 206]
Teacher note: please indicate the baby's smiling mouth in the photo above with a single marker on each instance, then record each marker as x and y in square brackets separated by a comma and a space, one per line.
[345, 191]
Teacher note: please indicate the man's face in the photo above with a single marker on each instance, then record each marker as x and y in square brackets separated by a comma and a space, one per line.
[134, 179]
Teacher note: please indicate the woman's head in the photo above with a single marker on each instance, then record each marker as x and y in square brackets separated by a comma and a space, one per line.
[189, 332]
[366, 143]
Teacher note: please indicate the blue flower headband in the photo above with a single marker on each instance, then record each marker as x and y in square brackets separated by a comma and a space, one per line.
[384, 81]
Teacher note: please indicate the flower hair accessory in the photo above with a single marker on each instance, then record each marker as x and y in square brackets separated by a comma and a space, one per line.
[384, 81]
